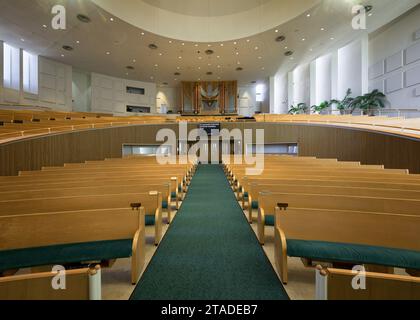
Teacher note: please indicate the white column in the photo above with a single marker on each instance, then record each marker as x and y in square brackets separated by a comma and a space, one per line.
[283, 94]
[313, 83]
[273, 91]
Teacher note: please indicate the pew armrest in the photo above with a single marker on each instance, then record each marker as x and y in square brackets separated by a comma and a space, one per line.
[280, 248]
[261, 224]
[138, 250]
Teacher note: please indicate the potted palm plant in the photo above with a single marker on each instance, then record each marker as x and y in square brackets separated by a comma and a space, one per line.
[345, 104]
[370, 102]
[301, 108]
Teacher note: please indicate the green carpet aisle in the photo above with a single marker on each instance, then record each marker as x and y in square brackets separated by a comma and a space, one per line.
[210, 252]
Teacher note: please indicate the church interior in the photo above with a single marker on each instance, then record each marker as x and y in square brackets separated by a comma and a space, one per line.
[210, 150]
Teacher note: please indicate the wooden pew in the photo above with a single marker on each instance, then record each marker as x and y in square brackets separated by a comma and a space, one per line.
[269, 200]
[336, 284]
[151, 201]
[362, 235]
[254, 189]
[73, 237]
[102, 189]
[81, 284]
[178, 183]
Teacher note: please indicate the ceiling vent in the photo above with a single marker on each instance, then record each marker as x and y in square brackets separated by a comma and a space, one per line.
[129, 67]
[68, 48]
[280, 38]
[209, 52]
[288, 53]
[209, 73]
[153, 46]
[83, 18]
[177, 74]
[165, 83]
[239, 69]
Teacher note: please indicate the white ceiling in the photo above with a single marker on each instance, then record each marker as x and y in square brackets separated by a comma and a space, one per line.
[259, 55]
[205, 8]
[206, 20]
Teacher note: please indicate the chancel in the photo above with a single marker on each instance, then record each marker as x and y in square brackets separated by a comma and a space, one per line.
[212, 150]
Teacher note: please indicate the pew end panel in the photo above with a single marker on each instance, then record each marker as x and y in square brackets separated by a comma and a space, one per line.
[81, 284]
[337, 284]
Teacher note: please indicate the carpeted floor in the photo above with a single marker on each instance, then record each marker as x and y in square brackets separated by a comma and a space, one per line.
[210, 251]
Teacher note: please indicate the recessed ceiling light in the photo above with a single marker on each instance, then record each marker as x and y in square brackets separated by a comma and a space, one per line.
[62, 55]
[209, 45]
[179, 57]
[200, 57]
[170, 41]
[44, 26]
[308, 15]
[260, 58]
[199, 68]
[83, 18]
[218, 57]
[23, 40]
[256, 48]
[235, 43]
[219, 66]
[196, 45]
[263, 68]
[108, 53]
[156, 65]
[160, 53]
[370, 14]
[111, 19]
[237, 53]
[77, 41]
[183, 44]
[178, 68]
[276, 31]
[142, 33]
[68, 48]
[322, 29]
[238, 62]
[221, 44]
[248, 40]
[332, 38]
[303, 39]
[280, 39]
[134, 60]
[175, 79]
[152, 77]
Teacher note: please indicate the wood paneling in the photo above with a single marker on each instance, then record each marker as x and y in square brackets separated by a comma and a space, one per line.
[345, 144]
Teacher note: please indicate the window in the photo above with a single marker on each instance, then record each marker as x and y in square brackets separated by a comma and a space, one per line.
[30, 73]
[260, 92]
[134, 90]
[135, 109]
[11, 67]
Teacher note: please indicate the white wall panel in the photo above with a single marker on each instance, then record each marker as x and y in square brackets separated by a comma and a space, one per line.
[394, 62]
[412, 76]
[412, 54]
[394, 83]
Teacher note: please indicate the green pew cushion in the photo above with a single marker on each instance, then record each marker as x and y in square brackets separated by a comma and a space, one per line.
[269, 221]
[246, 194]
[353, 253]
[173, 195]
[150, 220]
[165, 204]
[65, 254]
[254, 204]
[179, 188]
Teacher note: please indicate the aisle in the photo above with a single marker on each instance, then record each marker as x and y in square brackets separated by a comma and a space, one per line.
[210, 251]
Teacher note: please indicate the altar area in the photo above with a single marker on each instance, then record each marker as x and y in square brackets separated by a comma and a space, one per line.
[210, 98]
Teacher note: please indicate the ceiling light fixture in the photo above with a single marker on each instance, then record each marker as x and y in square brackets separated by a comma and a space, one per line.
[83, 18]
